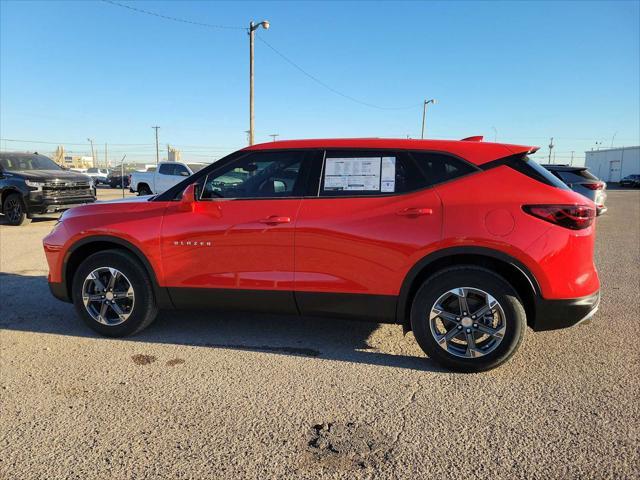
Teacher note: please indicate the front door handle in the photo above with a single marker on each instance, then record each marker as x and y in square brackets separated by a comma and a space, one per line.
[275, 219]
[415, 212]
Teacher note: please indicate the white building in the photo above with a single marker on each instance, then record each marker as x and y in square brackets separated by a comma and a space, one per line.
[613, 164]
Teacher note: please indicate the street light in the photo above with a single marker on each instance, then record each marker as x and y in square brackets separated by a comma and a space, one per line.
[424, 113]
[252, 28]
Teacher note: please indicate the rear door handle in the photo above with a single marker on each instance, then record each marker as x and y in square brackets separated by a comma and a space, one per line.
[415, 212]
[275, 219]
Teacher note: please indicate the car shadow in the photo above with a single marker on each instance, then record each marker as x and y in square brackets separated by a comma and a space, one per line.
[329, 339]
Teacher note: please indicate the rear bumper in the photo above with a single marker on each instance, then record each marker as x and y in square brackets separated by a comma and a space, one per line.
[556, 314]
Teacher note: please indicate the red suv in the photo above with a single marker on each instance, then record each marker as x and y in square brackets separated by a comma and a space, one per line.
[464, 242]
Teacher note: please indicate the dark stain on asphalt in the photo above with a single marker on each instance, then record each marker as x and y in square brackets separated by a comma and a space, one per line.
[347, 446]
[306, 352]
[174, 361]
[141, 359]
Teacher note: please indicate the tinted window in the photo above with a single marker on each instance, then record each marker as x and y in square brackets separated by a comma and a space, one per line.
[180, 170]
[93, 170]
[439, 167]
[533, 169]
[19, 162]
[258, 175]
[167, 169]
[575, 176]
[356, 173]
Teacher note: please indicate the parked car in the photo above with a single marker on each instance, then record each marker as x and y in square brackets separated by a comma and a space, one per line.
[581, 180]
[32, 185]
[630, 181]
[115, 179]
[99, 175]
[162, 178]
[463, 242]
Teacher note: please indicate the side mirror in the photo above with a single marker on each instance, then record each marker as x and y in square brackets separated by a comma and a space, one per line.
[184, 174]
[188, 200]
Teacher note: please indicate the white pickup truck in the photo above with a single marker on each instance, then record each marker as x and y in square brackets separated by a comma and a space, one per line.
[162, 178]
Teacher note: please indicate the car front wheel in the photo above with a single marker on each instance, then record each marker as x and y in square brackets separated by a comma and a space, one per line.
[468, 319]
[14, 210]
[113, 293]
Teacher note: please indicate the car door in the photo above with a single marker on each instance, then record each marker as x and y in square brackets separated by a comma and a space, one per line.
[234, 249]
[372, 220]
[165, 177]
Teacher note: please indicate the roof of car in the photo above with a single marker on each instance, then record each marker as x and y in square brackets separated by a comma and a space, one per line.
[471, 149]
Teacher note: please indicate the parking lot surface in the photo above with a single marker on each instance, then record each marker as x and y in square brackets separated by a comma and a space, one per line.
[210, 395]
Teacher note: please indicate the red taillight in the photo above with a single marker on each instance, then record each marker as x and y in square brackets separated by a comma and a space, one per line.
[575, 217]
[594, 186]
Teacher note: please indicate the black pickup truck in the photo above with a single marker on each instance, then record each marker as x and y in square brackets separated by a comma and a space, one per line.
[32, 185]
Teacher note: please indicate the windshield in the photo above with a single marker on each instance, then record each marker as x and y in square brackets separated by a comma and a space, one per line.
[18, 162]
[196, 167]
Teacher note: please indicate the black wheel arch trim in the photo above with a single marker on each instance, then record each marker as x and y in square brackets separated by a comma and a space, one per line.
[403, 306]
[161, 293]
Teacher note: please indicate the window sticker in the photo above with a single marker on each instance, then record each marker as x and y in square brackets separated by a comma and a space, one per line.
[360, 174]
[388, 174]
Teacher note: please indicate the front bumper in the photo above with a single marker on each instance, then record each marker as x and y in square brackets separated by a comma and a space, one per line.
[556, 314]
[59, 290]
[49, 206]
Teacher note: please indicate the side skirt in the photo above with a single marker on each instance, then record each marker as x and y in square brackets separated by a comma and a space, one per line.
[373, 308]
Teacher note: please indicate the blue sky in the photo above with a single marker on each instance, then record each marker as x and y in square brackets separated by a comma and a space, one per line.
[531, 70]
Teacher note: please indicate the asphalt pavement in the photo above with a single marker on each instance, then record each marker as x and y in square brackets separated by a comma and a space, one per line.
[210, 395]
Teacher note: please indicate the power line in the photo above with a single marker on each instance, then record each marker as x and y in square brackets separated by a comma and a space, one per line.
[174, 19]
[328, 87]
[275, 50]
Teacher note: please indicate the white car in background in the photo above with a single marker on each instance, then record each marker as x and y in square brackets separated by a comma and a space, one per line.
[98, 175]
[165, 176]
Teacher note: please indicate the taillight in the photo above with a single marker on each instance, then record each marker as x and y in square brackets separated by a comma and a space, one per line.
[575, 217]
[594, 186]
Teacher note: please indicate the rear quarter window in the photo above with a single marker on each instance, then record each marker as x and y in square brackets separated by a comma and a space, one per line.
[440, 167]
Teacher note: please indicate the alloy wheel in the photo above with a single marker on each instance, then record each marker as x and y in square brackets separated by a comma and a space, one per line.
[108, 296]
[467, 322]
[13, 210]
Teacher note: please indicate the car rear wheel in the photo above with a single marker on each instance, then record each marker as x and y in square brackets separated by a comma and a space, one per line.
[468, 319]
[15, 211]
[113, 294]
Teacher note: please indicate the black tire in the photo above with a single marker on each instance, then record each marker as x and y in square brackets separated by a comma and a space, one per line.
[143, 190]
[15, 212]
[468, 277]
[144, 309]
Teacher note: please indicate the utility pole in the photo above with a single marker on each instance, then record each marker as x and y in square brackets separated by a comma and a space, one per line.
[157, 146]
[106, 158]
[424, 113]
[572, 152]
[495, 134]
[550, 148]
[168, 150]
[93, 153]
[252, 28]
[274, 135]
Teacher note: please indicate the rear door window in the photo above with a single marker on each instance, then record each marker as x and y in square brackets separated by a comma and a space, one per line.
[167, 169]
[364, 172]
